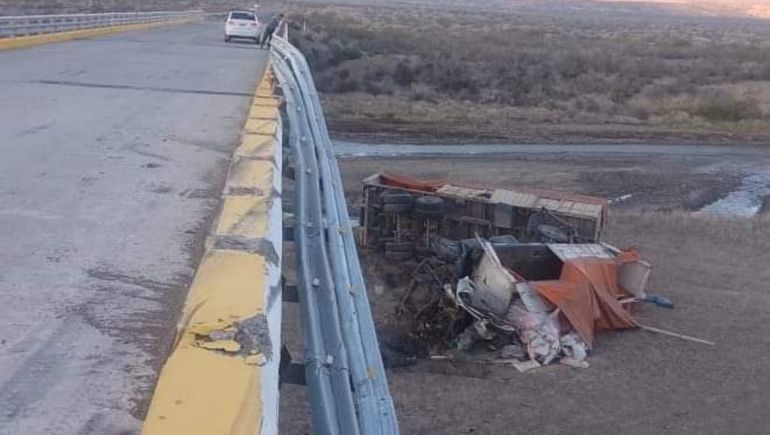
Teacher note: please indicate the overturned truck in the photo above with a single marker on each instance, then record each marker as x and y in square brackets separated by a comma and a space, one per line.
[526, 263]
[401, 214]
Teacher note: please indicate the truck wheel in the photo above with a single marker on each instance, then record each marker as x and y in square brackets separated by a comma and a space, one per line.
[397, 198]
[399, 247]
[551, 234]
[429, 205]
[398, 255]
[398, 208]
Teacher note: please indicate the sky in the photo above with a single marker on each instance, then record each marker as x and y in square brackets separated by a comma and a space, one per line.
[753, 8]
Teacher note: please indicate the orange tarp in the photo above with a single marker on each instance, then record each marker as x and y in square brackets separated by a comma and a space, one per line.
[587, 294]
[406, 182]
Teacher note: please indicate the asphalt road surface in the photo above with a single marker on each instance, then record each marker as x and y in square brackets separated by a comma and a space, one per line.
[113, 151]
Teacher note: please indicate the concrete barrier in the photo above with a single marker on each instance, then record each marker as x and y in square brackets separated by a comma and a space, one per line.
[222, 376]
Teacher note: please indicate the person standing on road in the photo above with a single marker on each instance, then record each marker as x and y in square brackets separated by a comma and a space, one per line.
[267, 36]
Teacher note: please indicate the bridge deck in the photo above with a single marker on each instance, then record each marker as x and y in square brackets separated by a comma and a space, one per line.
[113, 155]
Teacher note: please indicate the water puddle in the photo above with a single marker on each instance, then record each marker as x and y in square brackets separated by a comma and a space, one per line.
[747, 201]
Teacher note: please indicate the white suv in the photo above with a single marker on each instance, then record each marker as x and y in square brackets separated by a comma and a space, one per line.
[242, 24]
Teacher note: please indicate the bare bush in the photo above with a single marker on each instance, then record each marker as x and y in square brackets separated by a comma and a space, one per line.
[723, 106]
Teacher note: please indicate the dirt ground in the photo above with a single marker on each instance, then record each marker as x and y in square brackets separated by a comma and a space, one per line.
[638, 383]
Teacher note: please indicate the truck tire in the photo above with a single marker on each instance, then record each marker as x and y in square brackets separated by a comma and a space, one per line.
[399, 247]
[398, 208]
[551, 234]
[429, 205]
[398, 255]
[430, 214]
[397, 198]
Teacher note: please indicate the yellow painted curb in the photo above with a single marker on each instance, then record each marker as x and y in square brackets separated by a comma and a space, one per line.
[244, 216]
[206, 387]
[222, 376]
[250, 175]
[260, 126]
[263, 112]
[264, 101]
[256, 146]
[29, 41]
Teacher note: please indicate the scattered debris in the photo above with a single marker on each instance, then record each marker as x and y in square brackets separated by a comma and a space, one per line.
[677, 335]
[530, 303]
[440, 357]
[573, 362]
[621, 198]
[525, 366]
[512, 351]
[248, 337]
[535, 290]
[658, 300]
[399, 348]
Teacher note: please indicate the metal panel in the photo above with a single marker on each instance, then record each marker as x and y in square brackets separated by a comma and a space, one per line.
[463, 192]
[533, 201]
[516, 199]
[568, 252]
[633, 277]
[503, 216]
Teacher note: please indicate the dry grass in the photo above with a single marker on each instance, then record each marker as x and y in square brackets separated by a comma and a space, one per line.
[476, 73]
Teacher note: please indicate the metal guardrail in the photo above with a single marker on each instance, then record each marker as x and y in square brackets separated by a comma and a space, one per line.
[346, 379]
[42, 24]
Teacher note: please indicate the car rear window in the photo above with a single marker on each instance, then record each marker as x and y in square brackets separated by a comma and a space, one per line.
[241, 16]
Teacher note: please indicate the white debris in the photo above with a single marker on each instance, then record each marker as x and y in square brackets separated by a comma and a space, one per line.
[538, 331]
[573, 346]
[527, 315]
[572, 362]
[525, 366]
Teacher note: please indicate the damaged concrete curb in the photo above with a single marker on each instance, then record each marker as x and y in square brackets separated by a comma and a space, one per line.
[222, 376]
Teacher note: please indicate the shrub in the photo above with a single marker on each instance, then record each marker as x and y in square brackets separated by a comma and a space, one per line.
[351, 85]
[583, 70]
[403, 74]
[722, 107]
